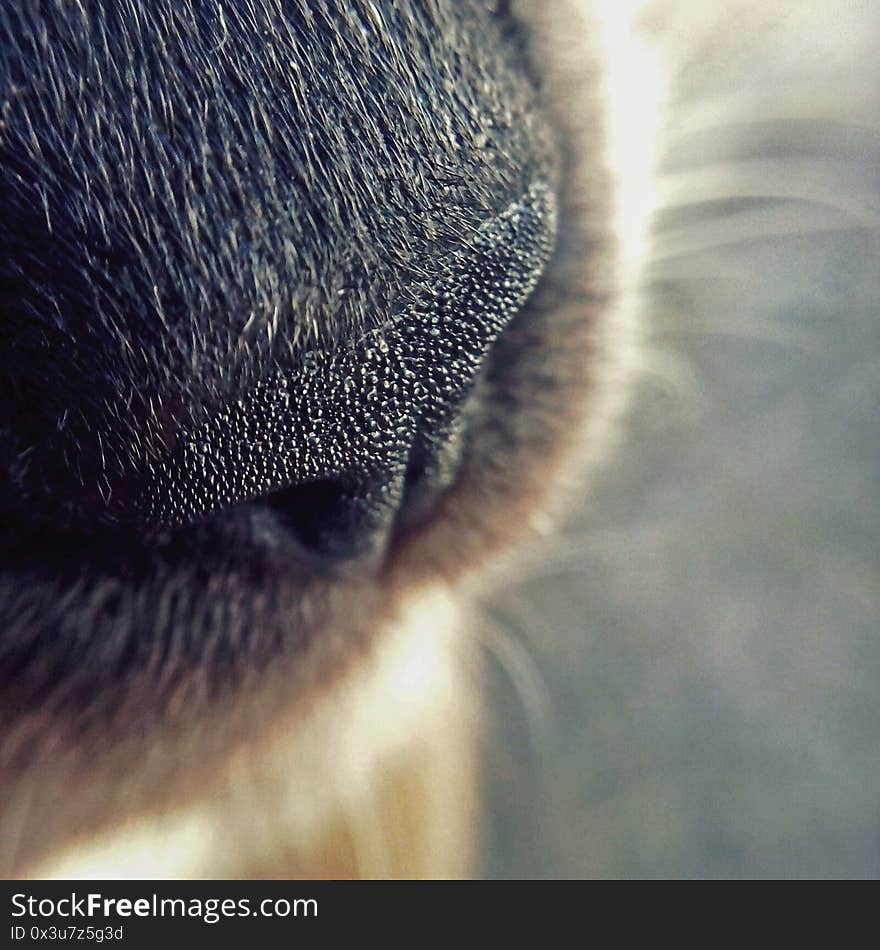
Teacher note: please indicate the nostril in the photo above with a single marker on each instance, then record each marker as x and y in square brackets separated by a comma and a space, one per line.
[306, 509]
[331, 517]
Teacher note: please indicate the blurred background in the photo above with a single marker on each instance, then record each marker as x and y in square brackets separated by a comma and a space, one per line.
[688, 680]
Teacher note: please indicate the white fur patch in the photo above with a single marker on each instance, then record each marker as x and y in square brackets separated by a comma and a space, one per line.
[327, 765]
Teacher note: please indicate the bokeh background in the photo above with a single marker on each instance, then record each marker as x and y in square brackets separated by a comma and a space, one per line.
[687, 683]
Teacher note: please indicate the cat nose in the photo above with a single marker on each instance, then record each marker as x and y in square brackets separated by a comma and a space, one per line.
[350, 517]
[348, 442]
[332, 459]
[345, 445]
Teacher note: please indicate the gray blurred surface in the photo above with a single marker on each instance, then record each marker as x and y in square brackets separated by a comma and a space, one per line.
[696, 683]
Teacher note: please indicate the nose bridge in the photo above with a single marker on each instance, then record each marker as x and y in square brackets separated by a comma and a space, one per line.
[349, 422]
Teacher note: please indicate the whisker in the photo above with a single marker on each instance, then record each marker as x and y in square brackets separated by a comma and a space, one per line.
[742, 116]
[515, 661]
[811, 182]
[679, 325]
[703, 237]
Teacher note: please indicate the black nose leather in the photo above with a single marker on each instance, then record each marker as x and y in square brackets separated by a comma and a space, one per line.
[333, 448]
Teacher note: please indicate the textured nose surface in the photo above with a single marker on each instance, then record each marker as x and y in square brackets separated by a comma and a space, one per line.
[331, 447]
